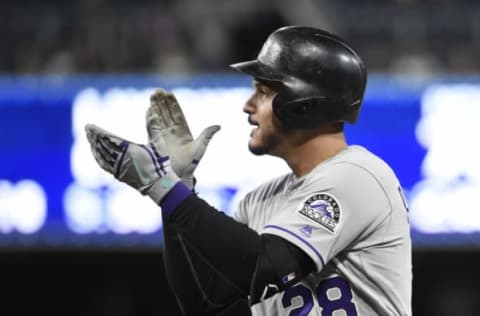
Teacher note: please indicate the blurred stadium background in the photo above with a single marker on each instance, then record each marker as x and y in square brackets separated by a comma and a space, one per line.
[68, 243]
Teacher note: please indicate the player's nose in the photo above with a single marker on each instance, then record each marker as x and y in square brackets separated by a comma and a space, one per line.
[249, 106]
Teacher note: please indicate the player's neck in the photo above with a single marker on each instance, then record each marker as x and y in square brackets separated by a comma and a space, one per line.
[306, 155]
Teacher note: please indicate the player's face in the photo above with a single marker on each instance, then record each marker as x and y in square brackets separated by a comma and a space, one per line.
[267, 135]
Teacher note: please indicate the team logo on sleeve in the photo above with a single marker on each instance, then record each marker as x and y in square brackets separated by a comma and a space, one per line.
[323, 209]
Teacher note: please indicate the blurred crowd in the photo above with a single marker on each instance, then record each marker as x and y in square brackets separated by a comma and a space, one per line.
[186, 36]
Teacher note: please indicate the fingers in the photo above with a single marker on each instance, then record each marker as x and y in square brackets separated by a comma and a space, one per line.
[107, 149]
[207, 134]
[95, 131]
[167, 107]
[103, 146]
[159, 107]
[155, 126]
[165, 115]
[202, 141]
[175, 110]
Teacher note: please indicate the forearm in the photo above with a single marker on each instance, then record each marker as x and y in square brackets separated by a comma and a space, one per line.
[199, 289]
[250, 261]
[231, 247]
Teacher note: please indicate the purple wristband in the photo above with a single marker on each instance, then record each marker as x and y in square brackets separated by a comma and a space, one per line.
[175, 197]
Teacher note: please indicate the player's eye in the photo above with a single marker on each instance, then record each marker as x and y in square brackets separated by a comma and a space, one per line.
[264, 91]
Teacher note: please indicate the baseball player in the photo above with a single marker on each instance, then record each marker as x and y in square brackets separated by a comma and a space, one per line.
[329, 238]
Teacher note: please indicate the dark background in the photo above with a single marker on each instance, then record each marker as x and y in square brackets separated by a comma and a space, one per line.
[133, 283]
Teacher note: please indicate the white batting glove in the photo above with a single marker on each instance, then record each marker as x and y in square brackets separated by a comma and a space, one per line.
[166, 123]
[146, 168]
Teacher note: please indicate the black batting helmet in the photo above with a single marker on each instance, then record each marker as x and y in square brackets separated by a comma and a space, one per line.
[323, 79]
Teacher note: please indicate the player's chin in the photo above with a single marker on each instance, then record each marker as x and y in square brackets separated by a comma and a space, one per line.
[257, 149]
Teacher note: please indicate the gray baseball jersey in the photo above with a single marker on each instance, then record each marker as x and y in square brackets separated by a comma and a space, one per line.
[349, 215]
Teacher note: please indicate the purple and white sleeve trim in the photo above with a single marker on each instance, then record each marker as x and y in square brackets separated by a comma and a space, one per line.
[175, 197]
[302, 240]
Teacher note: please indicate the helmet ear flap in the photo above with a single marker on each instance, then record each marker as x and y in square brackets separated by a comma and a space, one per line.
[297, 114]
[310, 112]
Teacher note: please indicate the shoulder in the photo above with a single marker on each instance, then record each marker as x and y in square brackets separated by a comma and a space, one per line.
[356, 179]
[365, 159]
[269, 188]
[251, 199]
[353, 166]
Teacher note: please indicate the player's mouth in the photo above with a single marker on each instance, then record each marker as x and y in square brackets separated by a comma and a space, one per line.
[253, 123]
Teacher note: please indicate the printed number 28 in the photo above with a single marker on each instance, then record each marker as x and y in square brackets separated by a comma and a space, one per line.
[343, 302]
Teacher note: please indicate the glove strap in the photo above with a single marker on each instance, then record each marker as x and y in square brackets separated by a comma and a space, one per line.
[162, 186]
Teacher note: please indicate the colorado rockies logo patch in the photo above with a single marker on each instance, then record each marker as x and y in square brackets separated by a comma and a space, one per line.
[323, 209]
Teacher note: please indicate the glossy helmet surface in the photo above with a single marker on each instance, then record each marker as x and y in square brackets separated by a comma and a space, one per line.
[323, 79]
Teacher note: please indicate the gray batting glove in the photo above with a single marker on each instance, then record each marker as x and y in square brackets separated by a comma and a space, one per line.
[167, 124]
[146, 168]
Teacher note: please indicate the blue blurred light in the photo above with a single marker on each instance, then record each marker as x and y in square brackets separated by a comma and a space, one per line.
[37, 138]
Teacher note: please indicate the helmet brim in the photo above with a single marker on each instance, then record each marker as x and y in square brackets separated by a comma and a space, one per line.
[258, 70]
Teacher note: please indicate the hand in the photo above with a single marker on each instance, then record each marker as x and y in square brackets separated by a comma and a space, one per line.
[166, 123]
[146, 168]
